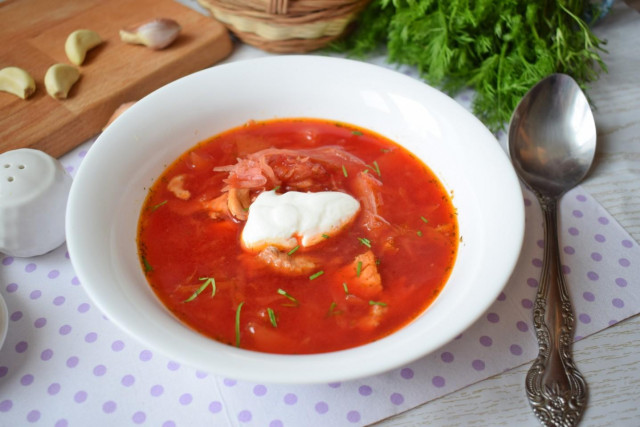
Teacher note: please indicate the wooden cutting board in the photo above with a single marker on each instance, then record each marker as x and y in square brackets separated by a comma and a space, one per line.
[32, 37]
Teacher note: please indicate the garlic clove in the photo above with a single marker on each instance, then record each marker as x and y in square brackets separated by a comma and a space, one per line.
[17, 81]
[59, 79]
[155, 34]
[78, 43]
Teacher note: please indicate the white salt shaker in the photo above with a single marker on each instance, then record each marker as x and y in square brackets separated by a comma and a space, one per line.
[34, 188]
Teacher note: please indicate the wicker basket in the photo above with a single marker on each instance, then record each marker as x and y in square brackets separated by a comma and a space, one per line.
[285, 26]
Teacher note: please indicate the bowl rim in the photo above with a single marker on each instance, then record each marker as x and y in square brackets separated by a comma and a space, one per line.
[355, 362]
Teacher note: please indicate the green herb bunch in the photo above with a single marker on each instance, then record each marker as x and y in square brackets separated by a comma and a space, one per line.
[500, 48]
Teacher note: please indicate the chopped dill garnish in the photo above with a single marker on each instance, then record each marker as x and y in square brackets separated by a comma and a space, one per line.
[344, 172]
[332, 309]
[207, 281]
[425, 220]
[377, 168]
[276, 188]
[154, 207]
[292, 251]
[272, 317]
[365, 241]
[286, 295]
[326, 236]
[346, 289]
[358, 268]
[316, 275]
[419, 233]
[383, 304]
[238, 323]
[147, 266]
[356, 132]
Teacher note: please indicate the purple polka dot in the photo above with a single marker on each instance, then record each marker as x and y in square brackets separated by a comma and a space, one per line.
[83, 308]
[186, 399]
[15, 316]
[276, 423]
[169, 424]
[565, 269]
[612, 322]
[173, 366]
[157, 390]
[603, 220]
[128, 380]
[80, 396]
[12, 287]
[245, 416]
[61, 423]
[290, 399]
[7, 260]
[493, 317]
[596, 256]
[447, 357]
[6, 405]
[145, 355]
[99, 370]
[527, 202]
[3, 371]
[584, 318]
[30, 268]
[515, 349]
[406, 373]
[139, 417]
[478, 365]
[365, 390]
[536, 262]
[109, 407]
[53, 389]
[58, 300]
[532, 282]
[617, 303]
[577, 213]
[627, 243]
[600, 238]
[215, 407]
[569, 250]
[201, 374]
[522, 326]
[26, 379]
[335, 385]
[259, 390]
[117, 345]
[46, 354]
[527, 303]
[69, 169]
[581, 198]
[64, 329]
[540, 243]
[40, 322]
[396, 398]
[21, 347]
[91, 337]
[573, 231]
[229, 382]
[353, 416]
[322, 407]
[588, 296]
[592, 275]
[82, 153]
[75, 281]
[35, 294]
[438, 381]
[33, 416]
[53, 274]
[502, 296]
[624, 262]
[621, 282]
[72, 362]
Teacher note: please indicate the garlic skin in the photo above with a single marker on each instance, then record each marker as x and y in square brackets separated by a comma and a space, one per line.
[155, 34]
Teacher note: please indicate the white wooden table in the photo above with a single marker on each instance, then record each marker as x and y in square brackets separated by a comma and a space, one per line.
[610, 359]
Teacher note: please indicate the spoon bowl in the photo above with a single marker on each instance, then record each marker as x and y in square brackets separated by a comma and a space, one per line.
[552, 142]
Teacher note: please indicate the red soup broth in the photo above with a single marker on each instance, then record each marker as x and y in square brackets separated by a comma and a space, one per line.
[373, 277]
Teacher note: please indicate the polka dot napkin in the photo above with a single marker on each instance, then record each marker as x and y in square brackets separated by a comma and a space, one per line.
[63, 363]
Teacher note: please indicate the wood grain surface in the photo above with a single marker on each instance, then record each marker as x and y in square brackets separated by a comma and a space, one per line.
[610, 359]
[33, 34]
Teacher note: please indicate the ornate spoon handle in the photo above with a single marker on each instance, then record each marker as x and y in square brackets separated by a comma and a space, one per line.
[556, 390]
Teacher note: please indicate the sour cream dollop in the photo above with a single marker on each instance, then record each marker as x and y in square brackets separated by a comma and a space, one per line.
[295, 218]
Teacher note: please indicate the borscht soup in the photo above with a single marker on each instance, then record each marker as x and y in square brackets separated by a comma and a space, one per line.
[297, 236]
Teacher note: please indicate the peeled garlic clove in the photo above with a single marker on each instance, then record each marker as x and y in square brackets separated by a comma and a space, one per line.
[59, 79]
[79, 43]
[155, 34]
[17, 81]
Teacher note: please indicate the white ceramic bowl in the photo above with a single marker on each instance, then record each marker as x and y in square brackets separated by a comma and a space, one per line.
[113, 179]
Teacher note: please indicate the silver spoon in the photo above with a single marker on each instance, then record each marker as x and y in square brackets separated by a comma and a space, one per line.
[552, 142]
